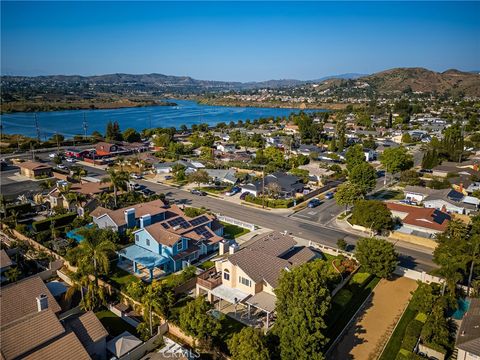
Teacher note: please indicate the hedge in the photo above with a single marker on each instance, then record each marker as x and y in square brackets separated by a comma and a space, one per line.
[19, 208]
[60, 220]
[273, 203]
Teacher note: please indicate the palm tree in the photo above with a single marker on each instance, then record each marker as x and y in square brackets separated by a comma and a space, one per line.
[117, 179]
[14, 214]
[149, 300]
[93, 259]
[105, 198]
[13, 274]
[75, 198]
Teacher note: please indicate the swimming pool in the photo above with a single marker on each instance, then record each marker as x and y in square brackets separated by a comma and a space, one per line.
[463, 306]
[73, 234]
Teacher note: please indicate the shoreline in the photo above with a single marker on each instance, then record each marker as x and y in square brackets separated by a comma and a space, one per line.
[52, 107]
[296, 106]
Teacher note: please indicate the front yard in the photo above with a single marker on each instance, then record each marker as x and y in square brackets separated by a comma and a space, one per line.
[233, 231]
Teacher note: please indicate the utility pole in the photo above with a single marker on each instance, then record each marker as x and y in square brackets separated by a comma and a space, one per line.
[37, 127]
[58, 144]
[85, 127]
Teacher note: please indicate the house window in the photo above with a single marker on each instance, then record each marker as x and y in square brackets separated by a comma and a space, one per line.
[244, 281]
[148, 242]
[226, 275]
[180, 246]
[137, 238]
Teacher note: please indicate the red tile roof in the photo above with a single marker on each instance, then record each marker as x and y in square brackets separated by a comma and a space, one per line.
[427, 218]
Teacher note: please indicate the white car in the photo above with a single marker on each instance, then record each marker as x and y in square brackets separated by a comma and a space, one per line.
[71, 160]
[136, 176]
[52, 155]
[61, 166]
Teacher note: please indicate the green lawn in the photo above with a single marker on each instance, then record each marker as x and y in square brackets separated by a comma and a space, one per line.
[340, 313]
[234, 231]
[121, 278]
[229, 327]
[113, 324]
[395, 342]
[207, 265]
[215, 190]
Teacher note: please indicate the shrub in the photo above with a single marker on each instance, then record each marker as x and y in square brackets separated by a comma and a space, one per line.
[360, 278]
[273, 203]
[409, 342]
[19, 208]
[192, 211]
[60, 220]
[414, 328]
[422, 317]
[343, 297]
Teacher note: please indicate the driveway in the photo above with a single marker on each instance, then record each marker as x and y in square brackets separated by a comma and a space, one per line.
[368, 334]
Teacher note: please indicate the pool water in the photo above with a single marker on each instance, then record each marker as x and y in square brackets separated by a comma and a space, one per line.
[73, 234]
[462, 307]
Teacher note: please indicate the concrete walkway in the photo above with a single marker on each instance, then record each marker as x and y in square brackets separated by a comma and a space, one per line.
[367, 335]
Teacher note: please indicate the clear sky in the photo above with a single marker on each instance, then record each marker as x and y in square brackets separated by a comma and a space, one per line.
[246, 41]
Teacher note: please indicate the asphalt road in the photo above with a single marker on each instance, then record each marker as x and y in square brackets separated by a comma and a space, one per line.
[314, 227]
[410, 256]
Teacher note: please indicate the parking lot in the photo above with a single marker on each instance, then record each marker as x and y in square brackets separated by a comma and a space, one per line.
[321, 214]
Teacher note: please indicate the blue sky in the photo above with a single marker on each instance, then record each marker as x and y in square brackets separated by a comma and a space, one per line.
[246, 41]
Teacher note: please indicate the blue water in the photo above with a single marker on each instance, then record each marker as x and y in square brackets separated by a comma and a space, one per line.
[69, 123]
[73, 234]
[463, 306]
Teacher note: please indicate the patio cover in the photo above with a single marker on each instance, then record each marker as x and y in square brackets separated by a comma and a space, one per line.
[122, 344]
[229, 294]
[262, 301]
[142, 256]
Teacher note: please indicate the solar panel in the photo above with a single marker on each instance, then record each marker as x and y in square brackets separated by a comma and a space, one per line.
[200, 220]
[179, 221]
[202, 231]
[165, 225]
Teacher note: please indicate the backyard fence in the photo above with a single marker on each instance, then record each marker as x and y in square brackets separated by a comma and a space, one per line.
[242, 224]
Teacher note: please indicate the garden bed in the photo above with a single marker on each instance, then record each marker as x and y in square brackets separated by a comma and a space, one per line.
[114, 324]
[233, 231]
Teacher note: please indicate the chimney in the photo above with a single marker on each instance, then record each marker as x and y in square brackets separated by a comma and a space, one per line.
[223, 247]
[130, 217]
[232, 249]
[145, 220]
[42, 302]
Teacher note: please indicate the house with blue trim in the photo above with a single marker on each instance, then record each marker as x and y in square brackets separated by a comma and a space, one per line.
[168, 246]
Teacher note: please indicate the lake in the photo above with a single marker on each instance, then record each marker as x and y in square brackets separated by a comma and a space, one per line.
[69, 122]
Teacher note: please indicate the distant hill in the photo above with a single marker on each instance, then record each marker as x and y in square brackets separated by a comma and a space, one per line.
[395, 80]
[452, 81]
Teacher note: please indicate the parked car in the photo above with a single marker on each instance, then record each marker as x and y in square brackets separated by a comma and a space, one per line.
[147, 192]
[198, 192]
[329, 195]
[61, 166]
[233, 191]
[314, 203]
[137, 187]
[136, 176]
[71, 160]
[168, 177]
[52, 155]
[244, 195]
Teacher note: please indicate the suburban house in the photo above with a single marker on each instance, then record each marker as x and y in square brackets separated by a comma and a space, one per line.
[170, 245]
[274, 141]
[370, 154]
[56, 197]
[315, 172]
[30, 327]
[288, 185]
[249, 276]
[223, 175]
[465, 168]
[419, 221]
[167, 167]
[127, 218]
[448, 200]
[308, 150]
[468, 338]
[35, 170]
[291, 129]
[107, 149]
[226, 148]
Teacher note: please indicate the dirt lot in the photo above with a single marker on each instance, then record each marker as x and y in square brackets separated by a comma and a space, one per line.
[368, 334]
